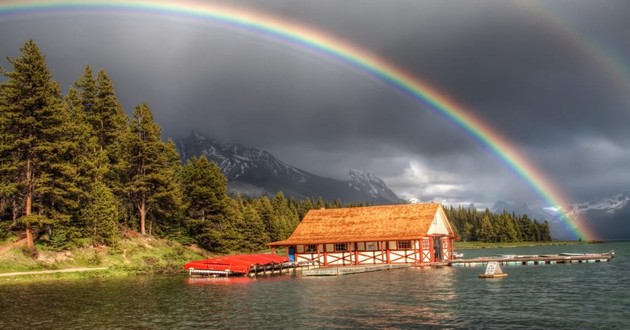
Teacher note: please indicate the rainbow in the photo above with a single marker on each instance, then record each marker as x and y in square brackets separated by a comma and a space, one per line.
[340, 50]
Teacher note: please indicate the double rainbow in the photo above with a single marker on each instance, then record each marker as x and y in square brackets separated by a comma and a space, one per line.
[340, 50]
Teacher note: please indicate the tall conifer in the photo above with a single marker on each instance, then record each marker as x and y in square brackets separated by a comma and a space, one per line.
[151, 171]
[32, 111]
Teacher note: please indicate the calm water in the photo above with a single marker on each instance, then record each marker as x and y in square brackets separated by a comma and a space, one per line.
[576, 296]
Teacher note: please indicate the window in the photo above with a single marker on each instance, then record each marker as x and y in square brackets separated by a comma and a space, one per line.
[425, 244]
[370, 246]
[404, 245]
[340, 247]
[310, 248]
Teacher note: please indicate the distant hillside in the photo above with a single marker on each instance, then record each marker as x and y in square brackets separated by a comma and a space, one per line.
[254, 172]
[608, 218]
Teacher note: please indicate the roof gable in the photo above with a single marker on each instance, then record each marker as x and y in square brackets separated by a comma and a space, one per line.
[372, 223]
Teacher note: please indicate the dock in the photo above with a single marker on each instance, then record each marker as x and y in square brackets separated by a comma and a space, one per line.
[241, 265]
[543, 259]
[348, 270]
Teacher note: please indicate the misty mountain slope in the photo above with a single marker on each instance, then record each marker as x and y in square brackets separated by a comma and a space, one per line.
[254, 172]
[608, 218]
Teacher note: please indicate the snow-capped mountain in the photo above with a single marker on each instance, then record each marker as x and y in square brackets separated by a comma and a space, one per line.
[254, 172]
[365, 181]
[608, 218]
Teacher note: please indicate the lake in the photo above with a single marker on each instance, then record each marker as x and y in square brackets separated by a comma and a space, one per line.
[572, 296]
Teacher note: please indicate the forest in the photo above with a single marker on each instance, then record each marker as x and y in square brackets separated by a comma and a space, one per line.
[486, 226]
[76, 170]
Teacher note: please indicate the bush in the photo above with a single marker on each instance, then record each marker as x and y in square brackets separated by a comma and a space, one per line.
[96, 259]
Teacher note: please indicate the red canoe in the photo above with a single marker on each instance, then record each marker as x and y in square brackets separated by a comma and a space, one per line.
[240, 264]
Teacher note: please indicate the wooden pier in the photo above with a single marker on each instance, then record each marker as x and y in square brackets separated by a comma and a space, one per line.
[546, 259]
[347, 270]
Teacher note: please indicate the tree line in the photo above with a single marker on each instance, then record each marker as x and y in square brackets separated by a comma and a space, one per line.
[75, 169]
[485, 226]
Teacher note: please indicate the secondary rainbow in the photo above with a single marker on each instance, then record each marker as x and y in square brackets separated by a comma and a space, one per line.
[296, 33]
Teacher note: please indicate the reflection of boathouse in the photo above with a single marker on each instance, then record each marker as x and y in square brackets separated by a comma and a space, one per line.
[409, 233]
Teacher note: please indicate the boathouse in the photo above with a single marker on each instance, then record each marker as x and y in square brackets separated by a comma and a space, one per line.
[385, 234]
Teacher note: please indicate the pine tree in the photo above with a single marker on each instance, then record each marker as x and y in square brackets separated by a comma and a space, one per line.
[204, 188]
[108, 117]
[485, 232]
[152, 185]
[9, 179]
[269, 218]
[33, 114]
[253, 233]
[86, 86]
[101, 215]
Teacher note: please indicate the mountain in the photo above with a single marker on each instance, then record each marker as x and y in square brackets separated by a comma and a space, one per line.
[373, 185]
[608, 218]
[253, 172]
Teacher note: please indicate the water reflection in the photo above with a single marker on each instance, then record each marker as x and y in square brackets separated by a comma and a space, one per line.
[593, 295]
[218, 280]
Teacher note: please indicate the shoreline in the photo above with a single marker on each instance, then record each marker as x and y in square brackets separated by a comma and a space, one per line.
[130, 257]
[45, 272]
[144, 256]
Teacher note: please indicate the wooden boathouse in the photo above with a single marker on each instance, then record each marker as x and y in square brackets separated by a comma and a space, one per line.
[386, 234]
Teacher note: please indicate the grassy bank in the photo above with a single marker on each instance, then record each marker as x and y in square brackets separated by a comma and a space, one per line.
[486, 245]
[141, 255]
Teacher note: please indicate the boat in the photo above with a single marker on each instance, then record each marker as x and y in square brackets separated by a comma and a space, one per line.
[238, 265]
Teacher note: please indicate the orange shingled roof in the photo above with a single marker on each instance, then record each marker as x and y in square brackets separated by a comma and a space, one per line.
[356, 224]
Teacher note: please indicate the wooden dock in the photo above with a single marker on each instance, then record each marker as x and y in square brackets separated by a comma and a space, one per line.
[546, 259]
[347, 270]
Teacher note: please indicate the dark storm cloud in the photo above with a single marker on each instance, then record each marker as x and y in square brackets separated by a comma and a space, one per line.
[508, 65]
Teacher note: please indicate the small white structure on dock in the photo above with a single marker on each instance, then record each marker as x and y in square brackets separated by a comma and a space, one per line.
[493, 270]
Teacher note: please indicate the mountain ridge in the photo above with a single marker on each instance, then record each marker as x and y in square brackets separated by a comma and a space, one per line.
[607, 218]
[254, 172]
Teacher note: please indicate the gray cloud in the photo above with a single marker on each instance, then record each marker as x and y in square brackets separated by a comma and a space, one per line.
[517, 70]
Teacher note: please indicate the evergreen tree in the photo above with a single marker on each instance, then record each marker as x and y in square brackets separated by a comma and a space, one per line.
[305, 206]
[152, 170]
[109, 127]
[32, 115]
[107, 118]
[213, 219]
[101, 215]
[204, 188]
[9, 178]
[254, 236]
[485, 232]
[283, 215]
[71, 171]
[86, 86]
[269, 218]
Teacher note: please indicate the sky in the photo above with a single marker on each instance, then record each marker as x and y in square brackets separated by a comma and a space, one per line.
[551, 77]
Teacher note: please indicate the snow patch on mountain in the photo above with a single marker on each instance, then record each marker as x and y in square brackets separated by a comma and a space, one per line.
[253, 170]
[608, 218]
[608, 205]
[365, 181]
